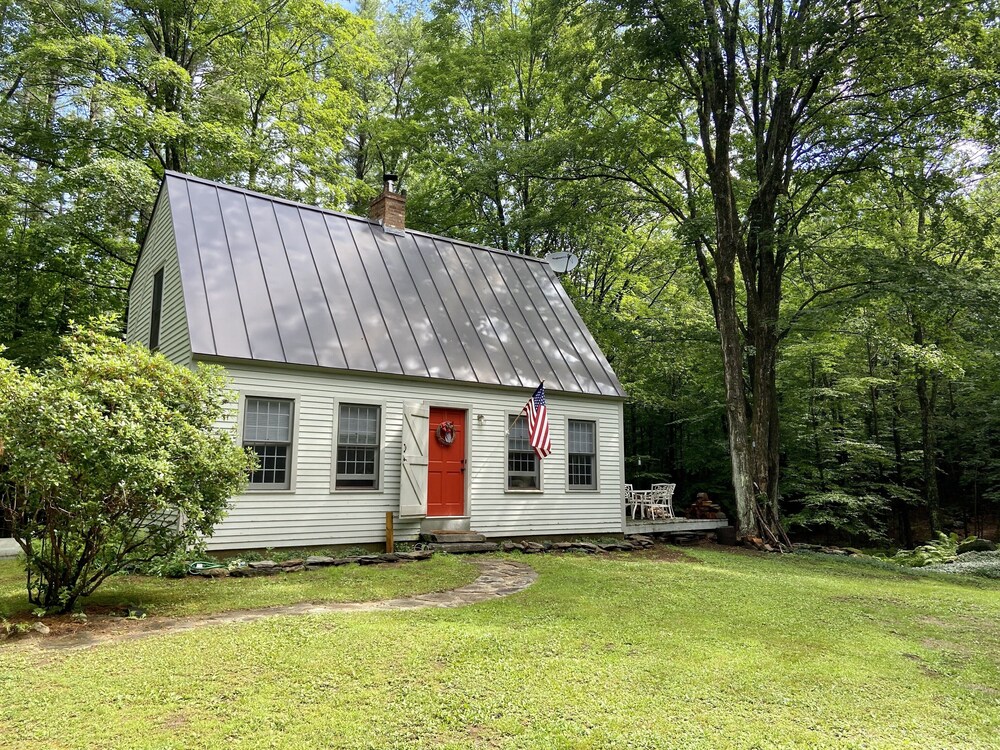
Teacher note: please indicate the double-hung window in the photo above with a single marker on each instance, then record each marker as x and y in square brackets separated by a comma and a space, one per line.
[358, 442]
[267, 428]
[582, 453]
[522, 463]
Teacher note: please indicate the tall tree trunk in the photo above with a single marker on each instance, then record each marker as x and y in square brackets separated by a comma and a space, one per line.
[901, 509]
[741, 458]
[927, 399]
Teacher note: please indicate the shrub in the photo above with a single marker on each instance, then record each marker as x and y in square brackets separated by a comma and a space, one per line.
[839, 513]
[941, 550]
[174, 565]
[110, 458]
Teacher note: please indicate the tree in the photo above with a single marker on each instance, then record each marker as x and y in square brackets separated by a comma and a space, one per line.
[97, 99]
[108, 458]
[752, 115]
[382, 137]
[878, 390]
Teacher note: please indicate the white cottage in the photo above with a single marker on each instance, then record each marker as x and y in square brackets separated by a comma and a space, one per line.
[350, 341]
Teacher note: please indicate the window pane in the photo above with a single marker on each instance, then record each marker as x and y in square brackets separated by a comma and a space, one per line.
[517, 438]
[267, 420]
[581, 471]
[273, 469]
[522, 462]
[581, 436]
[358, 425]
[522, 470]
[356, 461]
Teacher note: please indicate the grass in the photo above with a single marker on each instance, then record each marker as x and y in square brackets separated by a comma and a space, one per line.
[721, 650]
[198, 596]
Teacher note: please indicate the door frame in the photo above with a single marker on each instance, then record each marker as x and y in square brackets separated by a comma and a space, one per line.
[467, 408]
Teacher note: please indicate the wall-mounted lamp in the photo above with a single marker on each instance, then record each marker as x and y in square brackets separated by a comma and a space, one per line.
[480, 418]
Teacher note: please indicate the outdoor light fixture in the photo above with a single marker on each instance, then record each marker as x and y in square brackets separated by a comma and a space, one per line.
[480, 418]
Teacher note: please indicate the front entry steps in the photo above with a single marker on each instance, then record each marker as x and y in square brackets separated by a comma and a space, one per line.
[457, 542]
[433, 524]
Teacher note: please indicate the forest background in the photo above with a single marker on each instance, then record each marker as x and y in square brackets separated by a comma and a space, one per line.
[786, 212]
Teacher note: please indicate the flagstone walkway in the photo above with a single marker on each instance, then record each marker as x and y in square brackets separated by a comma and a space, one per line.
[497, 579]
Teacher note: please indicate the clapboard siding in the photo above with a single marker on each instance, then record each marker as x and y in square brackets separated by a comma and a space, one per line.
[313, 514]
[160, 252]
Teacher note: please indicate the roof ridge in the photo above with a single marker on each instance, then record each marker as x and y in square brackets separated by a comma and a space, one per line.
[341, 214]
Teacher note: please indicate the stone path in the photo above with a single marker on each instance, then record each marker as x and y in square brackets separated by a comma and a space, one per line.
[497, 579]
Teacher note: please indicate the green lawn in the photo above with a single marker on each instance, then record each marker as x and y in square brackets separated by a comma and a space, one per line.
[724, 651]
[199, 596]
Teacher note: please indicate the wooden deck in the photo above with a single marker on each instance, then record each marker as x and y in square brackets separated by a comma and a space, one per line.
[669, 525]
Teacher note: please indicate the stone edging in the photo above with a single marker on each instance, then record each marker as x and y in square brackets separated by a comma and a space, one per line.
[270, 567]
[497, 579]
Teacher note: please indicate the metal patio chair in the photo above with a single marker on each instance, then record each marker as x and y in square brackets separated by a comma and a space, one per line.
[661, 502]
[630, 501]
[639, 500]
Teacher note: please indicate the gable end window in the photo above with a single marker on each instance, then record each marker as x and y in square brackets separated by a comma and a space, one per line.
[522, 463]
[358, 442]
[582, 454]
[267, 428]
[154, 317]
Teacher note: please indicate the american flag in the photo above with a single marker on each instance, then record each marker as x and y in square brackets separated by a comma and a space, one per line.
[538, 423]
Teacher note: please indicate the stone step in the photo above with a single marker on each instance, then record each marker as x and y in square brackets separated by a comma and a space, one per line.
[443, 536]
[436, 523]
[461, 548]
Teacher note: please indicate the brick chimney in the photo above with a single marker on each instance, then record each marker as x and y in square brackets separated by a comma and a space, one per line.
[389, 208]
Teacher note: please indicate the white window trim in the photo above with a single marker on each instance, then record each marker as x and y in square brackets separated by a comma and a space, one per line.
[506, 460]
[293, 456]
[334, 440]
[595, 487]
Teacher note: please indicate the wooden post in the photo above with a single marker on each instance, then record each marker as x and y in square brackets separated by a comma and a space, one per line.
[389, 541]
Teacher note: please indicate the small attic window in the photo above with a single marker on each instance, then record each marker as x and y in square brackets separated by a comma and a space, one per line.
[154, 318]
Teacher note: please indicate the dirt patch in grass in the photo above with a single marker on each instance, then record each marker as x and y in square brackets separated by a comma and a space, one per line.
[98, 615]
[936, 644]
[101, 620]
[922, 665]
[657, 553]
[483, 736]
[870, 601]
[739, 549]
[983, 688]
[936, 622]
[174, 721]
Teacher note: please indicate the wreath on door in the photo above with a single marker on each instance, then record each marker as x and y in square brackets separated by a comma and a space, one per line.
[445, 433]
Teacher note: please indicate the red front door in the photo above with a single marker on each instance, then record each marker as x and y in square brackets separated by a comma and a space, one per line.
[446, 465]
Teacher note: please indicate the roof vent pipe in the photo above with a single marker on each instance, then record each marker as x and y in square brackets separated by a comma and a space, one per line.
[389, 208]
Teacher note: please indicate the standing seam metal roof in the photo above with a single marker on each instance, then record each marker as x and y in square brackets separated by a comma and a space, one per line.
[272, 280]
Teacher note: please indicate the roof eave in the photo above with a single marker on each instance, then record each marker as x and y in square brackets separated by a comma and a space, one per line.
[270, 364]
